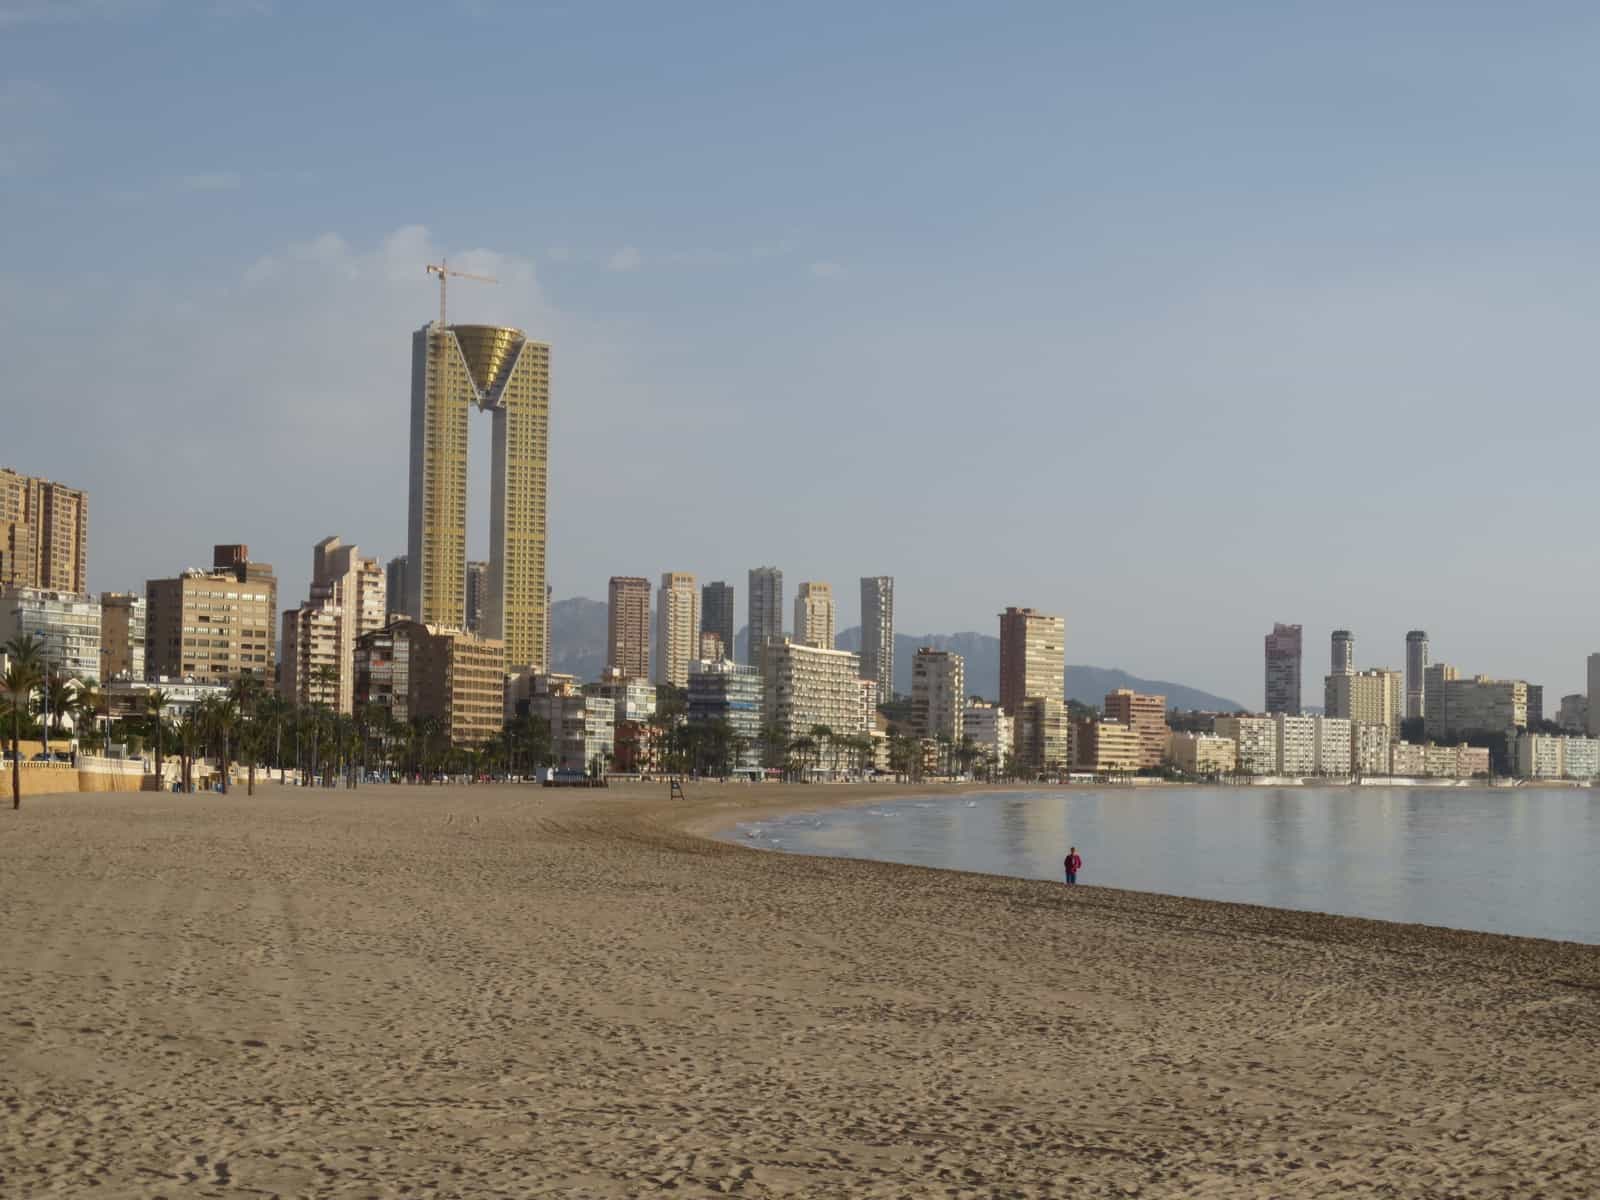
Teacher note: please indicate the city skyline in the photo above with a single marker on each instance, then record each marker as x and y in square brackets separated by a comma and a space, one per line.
[1415, 273]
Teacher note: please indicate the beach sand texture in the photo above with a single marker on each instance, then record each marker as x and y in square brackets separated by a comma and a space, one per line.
[506, 992]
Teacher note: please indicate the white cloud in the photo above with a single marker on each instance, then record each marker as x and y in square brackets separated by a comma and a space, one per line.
[211, 181]
[626, 259]
[826, 269]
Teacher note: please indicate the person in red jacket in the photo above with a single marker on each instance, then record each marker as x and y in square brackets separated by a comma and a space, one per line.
[1073, 865]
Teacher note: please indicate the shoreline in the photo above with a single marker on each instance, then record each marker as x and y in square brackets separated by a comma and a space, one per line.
[465, 991]
[716, 827]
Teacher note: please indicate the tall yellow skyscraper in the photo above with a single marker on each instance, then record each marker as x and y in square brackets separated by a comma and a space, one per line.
[453, 368]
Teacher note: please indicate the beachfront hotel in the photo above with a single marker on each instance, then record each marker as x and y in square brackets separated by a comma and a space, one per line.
[806, 686]
[455, 368]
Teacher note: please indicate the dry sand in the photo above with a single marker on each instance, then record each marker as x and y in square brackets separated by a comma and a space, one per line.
[495, 991]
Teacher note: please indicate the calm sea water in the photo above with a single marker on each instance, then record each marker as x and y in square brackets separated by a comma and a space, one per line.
[1509, 860]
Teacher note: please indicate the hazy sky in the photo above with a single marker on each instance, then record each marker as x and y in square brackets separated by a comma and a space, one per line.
[1176, 318]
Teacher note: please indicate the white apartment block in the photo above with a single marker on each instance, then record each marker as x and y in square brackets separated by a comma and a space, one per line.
[1255, 740]
[1297, 744]
[1369, 748]
[1580, 757]
[1333, 746]
[806, 686]
[938, 694]
[1408, 760]
[990, 730]
[677, 627]
[814, 615]
[869, 704]
[1545, 756]
[66, 625]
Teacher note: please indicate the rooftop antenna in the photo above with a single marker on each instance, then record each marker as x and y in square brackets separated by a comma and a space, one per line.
[444, 270]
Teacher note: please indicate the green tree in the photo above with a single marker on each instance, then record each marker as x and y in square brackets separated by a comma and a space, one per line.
[23, 673]
[156, 706]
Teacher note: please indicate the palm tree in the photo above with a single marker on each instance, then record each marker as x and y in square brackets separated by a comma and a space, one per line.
[63, 701]
[156, 703]
[189, 735]
[23, 674]
[272, 714]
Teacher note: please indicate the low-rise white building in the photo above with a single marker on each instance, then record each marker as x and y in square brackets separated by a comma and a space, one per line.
[1297, 744]
[1332, 746]
[1369, 748]
[990, 730]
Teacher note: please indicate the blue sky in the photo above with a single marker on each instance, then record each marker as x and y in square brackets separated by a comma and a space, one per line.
[1177, 319]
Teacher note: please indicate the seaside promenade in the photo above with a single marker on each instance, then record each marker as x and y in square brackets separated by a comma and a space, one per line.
[506, 992]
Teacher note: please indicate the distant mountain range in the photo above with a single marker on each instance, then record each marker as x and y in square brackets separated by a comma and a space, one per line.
[578, 639]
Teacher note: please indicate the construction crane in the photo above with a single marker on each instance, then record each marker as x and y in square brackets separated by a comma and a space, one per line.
[444, 270]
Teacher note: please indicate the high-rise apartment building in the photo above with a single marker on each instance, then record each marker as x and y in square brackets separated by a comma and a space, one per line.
[477, 594]
[814, 622]
[348, 599]
[1434, 718]
[677, 627]
[806, 686]
[213, 626]
[628, 626]
[877, 632]
[1373, 697]
[716, 613]
[1283, 646]
[765, 610]
[394, 585]
[1573, 715]
[1032, 659]
[454, 369]
[1146, 715]
[122, 631]
[415, 670]
[1479, 705]
[1594, 695]
[1416, 666]
[65, 624]
[1344, 652]
[44, 534]
[1535, 705]
[938, 694]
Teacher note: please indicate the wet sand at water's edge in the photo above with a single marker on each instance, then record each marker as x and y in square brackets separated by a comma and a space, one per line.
[498, 991]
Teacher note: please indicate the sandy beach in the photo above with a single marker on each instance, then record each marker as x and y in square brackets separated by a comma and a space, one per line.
[507, 992]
